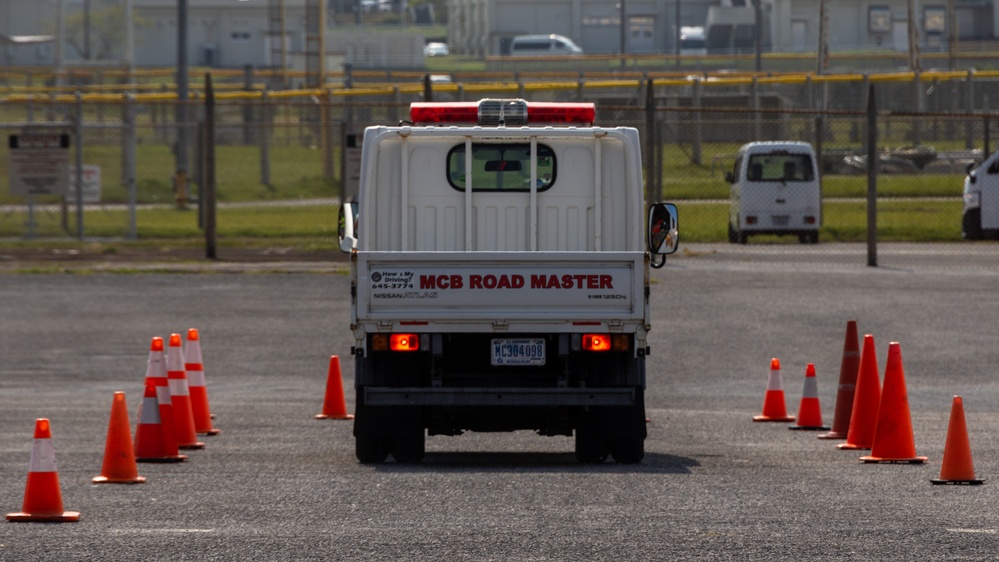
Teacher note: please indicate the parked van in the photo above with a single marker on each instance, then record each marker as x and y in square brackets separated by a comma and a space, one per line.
[980, 218]
[543, 45]
[775, 190]
[693, 41]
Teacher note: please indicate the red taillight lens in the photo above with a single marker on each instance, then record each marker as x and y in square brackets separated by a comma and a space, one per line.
[606, 342]
[596, 342]
[750, 219]
[809, 220]
[404, 342]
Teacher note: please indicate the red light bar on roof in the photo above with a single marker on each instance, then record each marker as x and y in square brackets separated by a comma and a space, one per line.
[502, 112]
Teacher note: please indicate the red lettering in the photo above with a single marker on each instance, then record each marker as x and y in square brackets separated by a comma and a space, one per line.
[538, 282]
[504, 282]
[517, 281]
[606, 282]
[591, 281]
[567, 281]
[428, 282]
[474, 281]
[489, 281]
[456, 282]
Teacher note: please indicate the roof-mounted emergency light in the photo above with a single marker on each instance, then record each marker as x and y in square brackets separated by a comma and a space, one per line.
[502, 112]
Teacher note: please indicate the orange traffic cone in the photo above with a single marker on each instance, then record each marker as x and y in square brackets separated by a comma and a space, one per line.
[156, 375]
[893, 439]
[847, 383]
[180, 396]
[809, 411]
[334, 404]
[196, 385]
[42, 496]
[866, 400]
[119, 456]
[153, 441]
[957, 467]
[774, 406]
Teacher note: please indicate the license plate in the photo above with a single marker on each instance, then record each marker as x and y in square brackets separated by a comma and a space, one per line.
[780, 220]
[518, 351]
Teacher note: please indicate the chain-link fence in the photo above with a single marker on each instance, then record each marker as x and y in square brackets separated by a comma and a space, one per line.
[281, 157]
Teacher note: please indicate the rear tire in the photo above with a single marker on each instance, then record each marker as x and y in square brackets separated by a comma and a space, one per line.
[742, 237]
[971, 225]
[629, 450]
[732, 235]
[371, 449]
[408, 447]
[810, 237]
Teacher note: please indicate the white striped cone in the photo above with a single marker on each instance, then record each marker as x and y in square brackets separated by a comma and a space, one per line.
[774, 405]
[198, 385]
[42, 496]
[156, 374]
[183, 417]
[809, 411]
[153, 443]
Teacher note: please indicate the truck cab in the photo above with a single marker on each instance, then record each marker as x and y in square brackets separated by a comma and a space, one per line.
[500, 255]
[980, 217]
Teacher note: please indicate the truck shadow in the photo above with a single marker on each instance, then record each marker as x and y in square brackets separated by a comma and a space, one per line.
[654, 463]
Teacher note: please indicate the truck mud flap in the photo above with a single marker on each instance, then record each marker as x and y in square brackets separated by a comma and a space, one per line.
[417, 396]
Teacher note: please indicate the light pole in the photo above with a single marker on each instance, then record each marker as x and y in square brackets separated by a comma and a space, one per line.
[624, 31]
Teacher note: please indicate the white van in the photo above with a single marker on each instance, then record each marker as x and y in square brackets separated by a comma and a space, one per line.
[693, 41]
[775, 190]
[543, 45]
[980, 218]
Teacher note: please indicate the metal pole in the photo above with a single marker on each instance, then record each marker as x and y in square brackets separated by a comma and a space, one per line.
[183, 165]
[129, 42]
[624, 31]
[872, 179]
[951, 34]
[822, 54]
[128, 167]
[265, 139]
[60, 35]
[79, 165]
[758, 15]
[676, 33]
[209, 169]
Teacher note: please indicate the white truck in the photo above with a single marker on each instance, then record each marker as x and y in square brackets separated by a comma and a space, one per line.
[980, 216]
[500, 278]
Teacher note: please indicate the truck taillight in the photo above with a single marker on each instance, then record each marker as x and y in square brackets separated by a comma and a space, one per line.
[605, 342]
[508, 112]
[404, 342]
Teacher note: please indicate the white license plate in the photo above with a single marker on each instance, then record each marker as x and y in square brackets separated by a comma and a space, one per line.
[780, 220]
[518, 351]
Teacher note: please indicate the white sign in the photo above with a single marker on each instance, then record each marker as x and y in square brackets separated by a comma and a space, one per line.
[39, 164]
[91, 184]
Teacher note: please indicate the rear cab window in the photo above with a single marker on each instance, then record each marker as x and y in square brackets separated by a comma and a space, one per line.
[501, 167]
[780, 166]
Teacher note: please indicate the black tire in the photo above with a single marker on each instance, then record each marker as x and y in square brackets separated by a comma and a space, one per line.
[371, 449]
[742, 237]
[590, 448]
[732, 236]
[971, 225]
[409, 447]
[628, 450]
[810, 237]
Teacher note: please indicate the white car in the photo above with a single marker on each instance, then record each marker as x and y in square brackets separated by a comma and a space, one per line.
[435, 50]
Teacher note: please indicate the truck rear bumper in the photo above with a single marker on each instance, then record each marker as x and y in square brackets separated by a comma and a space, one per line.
[420, 396]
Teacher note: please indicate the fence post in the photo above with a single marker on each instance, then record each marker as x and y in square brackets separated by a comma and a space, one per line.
[128, 163]
[651, 181]
[79, 165]
[917, 127]
[265, 139]
[209, 192]
[969, 140]
[872, 179]
[695, 150]
[755, 95]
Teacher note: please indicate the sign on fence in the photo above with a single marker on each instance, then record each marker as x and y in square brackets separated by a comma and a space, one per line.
[91, 184]
[39, 164]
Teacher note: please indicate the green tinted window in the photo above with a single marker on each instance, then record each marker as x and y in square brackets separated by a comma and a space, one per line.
[501, 167]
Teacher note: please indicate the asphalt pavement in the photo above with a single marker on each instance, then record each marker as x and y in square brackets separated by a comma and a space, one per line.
[276, 484]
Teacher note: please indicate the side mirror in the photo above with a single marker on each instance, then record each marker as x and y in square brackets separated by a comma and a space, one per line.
[972, 176]
[663, 229]
[347, 227]
[729, 177]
